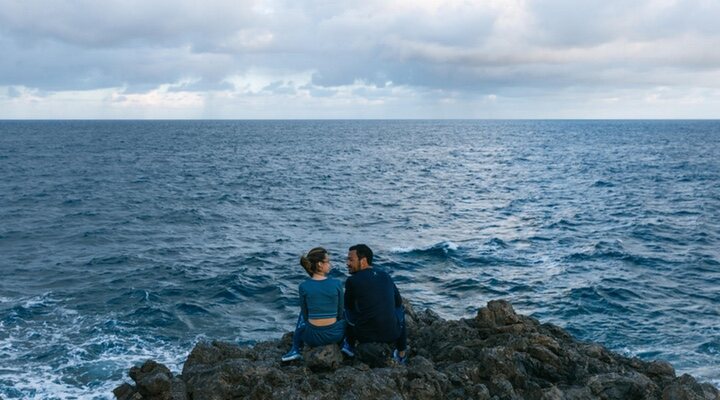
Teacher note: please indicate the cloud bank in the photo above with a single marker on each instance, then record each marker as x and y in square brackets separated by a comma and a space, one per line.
[371, 59]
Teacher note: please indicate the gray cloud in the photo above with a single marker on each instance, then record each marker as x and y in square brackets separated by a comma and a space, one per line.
[13, 92]
[465, 50]
[566, 23]
[114, 23]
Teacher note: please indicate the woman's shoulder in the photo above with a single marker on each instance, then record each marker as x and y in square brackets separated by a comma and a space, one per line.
[335, 282]
[304, 284]
[328, 282]
[323, 282]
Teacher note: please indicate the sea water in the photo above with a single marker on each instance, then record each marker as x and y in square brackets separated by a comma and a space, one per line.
[122, 241]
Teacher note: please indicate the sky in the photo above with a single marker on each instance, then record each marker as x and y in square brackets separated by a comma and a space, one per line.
[312, 59]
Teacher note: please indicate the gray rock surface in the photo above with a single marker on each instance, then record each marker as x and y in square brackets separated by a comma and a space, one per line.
[497, 355]
[323, 358]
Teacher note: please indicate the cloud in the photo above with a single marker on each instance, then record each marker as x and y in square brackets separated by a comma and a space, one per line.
[407, 56]
[13, 93]
[116, 23]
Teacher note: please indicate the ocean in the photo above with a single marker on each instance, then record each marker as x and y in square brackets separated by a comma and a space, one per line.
[122, 241]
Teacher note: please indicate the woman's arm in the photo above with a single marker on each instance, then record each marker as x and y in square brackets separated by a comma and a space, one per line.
[341, 305]
[303, 302]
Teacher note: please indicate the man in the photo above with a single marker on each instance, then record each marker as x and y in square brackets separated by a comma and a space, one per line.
[373, 306]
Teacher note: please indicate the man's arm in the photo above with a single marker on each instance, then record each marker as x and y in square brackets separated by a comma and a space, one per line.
[341, 302]
[398, 299]
[349, 298]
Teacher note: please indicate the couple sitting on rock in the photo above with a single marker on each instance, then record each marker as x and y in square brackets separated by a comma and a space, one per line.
[370, 310]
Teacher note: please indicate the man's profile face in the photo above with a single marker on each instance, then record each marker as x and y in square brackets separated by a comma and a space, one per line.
[353, 262]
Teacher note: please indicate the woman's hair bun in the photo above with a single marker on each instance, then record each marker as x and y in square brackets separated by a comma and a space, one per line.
[306, 264]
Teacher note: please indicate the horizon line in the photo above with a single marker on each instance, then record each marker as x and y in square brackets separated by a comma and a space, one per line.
[357, 119]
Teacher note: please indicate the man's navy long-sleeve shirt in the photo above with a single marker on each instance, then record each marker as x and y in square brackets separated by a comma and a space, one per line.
[371, 298]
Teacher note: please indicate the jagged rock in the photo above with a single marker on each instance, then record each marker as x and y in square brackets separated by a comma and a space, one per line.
[552, 393]
[501, 387]
[687, 388]
[124, 391]
[497, 313]
[381, 383]
[323, 358]
[497, 355]
[460, 353]
[178, 390]
[375, 355]
[616, 386]
[153, 380]
[426, 382]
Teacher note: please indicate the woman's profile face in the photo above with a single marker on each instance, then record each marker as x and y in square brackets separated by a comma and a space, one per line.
[325, 265]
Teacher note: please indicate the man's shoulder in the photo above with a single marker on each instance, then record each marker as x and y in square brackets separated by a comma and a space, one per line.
[350, 279]
[369, 275]
[376, 273]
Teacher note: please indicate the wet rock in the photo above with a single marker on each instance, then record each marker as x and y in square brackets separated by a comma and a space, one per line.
[124, 391]
[497, 355]
[153, 381]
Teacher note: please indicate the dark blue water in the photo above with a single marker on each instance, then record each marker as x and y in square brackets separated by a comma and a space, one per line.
[122, 241]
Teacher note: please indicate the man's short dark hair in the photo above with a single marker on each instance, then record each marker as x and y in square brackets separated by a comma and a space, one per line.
[363, 251]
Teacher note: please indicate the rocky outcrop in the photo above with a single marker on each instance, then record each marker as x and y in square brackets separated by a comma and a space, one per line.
[497, 355]
[153, 381]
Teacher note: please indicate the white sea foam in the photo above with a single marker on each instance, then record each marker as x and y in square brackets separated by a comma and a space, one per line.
[451, 246]
[52, 360]
[404, 249]
[44, 299]
[446, 245]
[45, 384]
[703, 373]
[38, 381]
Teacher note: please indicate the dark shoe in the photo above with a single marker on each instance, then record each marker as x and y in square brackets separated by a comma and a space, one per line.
[292, 355]
[398, 359]
[347, 349]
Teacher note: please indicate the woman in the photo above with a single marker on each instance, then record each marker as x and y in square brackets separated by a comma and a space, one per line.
[321, 306]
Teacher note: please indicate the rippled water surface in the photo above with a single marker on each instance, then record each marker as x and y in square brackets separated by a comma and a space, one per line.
[122, 241]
